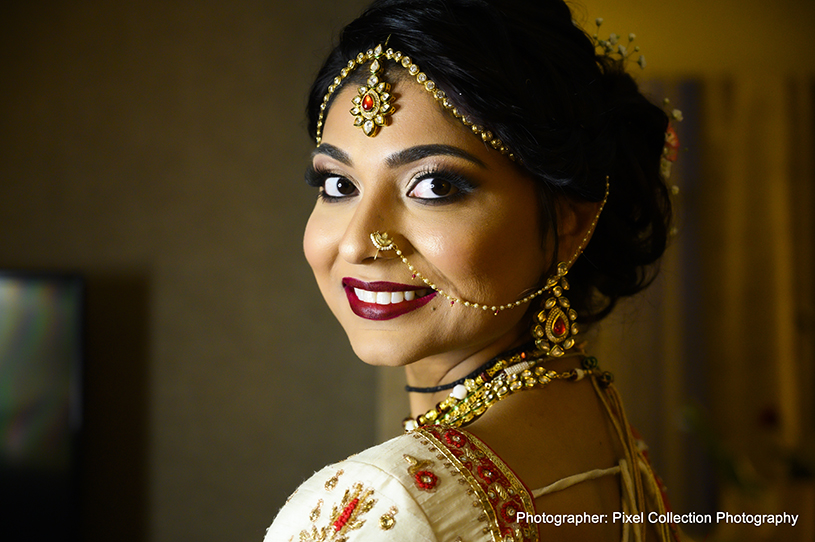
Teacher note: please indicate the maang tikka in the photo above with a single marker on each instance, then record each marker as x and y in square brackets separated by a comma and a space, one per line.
[373, 104]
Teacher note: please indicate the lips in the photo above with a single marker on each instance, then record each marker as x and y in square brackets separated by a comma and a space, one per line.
[384, 300]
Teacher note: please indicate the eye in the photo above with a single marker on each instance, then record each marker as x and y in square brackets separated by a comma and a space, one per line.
[432, 187]
[338, 187]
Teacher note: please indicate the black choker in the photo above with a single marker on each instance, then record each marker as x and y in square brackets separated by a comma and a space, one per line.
[475, 373]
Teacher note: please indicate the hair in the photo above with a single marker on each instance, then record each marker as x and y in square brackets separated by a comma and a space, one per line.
[571, 116]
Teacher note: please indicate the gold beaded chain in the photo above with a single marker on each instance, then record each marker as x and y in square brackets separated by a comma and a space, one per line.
[383, 242]
[520, 372]
[378, 55]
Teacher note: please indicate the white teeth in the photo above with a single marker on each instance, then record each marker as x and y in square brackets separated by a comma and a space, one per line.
[387, 298]
[365, 295]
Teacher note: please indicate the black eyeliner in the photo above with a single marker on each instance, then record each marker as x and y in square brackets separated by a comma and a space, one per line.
[462, 184]
[315, 177]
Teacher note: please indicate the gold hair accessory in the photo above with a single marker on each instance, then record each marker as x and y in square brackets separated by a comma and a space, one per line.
[372, 112]
[383, 241]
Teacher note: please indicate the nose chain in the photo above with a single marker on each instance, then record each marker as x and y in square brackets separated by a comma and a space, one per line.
[383, 242]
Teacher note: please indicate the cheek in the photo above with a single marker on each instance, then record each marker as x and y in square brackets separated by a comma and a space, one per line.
[495, 258]
[317, 246]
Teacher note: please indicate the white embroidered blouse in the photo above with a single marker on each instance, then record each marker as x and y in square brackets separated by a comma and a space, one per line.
[433, 484]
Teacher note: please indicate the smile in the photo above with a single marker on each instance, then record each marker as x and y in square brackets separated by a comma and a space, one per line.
[384, 300]
[388, 298]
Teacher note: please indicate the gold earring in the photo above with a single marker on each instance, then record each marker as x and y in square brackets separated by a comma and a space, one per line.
[553, 327]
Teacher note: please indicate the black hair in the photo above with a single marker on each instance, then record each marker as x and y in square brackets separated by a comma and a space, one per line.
[572, 117]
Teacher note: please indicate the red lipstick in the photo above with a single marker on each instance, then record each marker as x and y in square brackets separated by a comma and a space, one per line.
[374, 311]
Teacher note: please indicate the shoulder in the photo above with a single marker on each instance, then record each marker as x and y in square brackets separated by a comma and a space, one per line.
[378, 494]
[426, 485]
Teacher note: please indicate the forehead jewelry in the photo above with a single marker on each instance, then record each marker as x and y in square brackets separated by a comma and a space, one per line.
[383, 241]
[373, 104]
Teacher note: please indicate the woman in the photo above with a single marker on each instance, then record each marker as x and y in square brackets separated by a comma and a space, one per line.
[470, 155]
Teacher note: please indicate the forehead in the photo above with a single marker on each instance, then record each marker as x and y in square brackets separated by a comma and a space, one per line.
[416, 120]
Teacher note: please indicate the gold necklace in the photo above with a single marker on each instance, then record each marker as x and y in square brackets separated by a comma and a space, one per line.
[475, 396]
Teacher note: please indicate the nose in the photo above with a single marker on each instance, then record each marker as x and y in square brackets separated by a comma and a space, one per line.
[356, 245]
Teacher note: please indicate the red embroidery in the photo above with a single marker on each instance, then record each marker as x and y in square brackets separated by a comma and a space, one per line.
[489, 475]
[501, 496]
[454, 438]
[345, 516]
[346, 513]
[426, 480]
[509, 510]
[422, 475]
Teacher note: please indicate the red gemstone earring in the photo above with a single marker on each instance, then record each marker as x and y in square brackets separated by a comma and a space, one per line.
[553, 328]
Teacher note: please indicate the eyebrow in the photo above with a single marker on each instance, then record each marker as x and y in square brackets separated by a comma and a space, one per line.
[418, 152]
[333, 152]
[405, 156]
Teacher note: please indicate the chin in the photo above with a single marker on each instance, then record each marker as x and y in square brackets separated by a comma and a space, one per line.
[380, 353]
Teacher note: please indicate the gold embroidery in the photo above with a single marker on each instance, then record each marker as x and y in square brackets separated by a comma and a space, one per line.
[315, 514]
[387, 521]
[355, 502]
[345, 516]
[305, 536]
[495, 488]
[423, 477]
[332, 482]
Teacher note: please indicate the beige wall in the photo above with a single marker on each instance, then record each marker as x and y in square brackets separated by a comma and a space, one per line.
[712, 37]
[158, 148]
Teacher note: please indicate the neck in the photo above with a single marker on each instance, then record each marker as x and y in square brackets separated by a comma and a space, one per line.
[450, 367]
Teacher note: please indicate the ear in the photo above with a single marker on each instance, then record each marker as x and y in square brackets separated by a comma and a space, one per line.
[576, 221]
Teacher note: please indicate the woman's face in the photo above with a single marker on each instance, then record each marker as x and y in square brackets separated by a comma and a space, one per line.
[462, 214]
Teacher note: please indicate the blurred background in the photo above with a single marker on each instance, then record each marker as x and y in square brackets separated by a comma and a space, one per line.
[154, 151]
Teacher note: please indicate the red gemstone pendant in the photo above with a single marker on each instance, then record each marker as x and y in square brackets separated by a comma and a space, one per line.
[372, 105]
[559, 327]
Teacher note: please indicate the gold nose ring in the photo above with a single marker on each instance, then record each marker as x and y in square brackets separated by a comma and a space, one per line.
[381, 241]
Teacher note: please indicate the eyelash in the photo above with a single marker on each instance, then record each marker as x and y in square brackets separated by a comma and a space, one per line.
[317, 176]
[462, 185]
